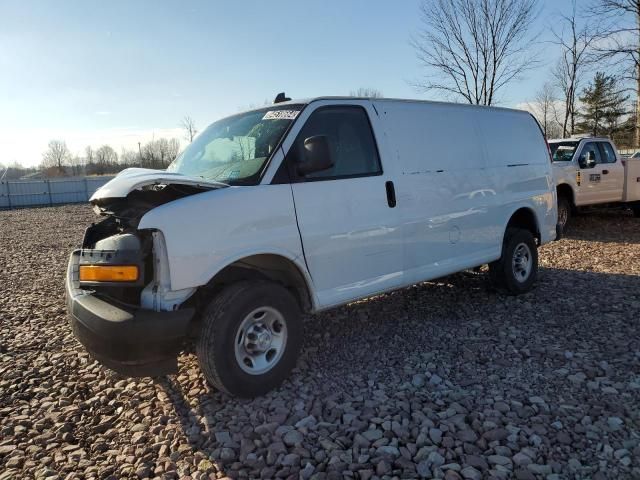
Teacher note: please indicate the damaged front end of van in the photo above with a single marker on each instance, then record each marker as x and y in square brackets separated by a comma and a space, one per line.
[119, 301]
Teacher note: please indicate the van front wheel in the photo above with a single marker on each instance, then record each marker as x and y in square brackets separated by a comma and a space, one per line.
[250, 338]
[517, 269]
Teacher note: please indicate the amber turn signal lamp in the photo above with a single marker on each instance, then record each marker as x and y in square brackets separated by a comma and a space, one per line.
[108, 273]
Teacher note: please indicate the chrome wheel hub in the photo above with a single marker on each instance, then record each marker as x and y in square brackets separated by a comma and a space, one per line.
[522, 262]
[260, 340]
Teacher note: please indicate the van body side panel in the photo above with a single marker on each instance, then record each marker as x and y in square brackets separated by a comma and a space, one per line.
[461, 173]
[518, 169]
[206, 232]
[442, 188]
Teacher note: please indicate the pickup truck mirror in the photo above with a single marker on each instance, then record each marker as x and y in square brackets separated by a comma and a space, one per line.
[317, 155]
[588, 160]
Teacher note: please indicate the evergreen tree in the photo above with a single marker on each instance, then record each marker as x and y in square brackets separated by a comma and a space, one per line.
[603, 107]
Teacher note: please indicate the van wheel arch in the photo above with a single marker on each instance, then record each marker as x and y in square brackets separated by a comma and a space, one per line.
[525, 219]
[265, 267]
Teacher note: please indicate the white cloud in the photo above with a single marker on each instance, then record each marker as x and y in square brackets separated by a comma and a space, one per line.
[27, 146]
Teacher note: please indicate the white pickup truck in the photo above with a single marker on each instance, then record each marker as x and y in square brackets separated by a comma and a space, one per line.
[589, 172]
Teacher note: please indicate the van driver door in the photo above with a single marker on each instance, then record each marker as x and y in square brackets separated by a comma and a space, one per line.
[346, 214]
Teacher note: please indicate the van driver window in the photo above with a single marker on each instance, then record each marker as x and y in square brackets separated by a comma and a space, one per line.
[350, 139]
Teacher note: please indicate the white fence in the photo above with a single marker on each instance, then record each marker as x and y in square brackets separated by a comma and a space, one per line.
[31, 193]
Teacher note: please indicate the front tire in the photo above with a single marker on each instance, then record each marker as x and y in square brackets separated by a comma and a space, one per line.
[250, 338]
[564, 212]
[517, 269]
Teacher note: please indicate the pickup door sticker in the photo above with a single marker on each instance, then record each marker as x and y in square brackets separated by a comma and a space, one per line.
[594, 177]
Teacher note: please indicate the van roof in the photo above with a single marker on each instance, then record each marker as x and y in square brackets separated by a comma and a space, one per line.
[404, 100]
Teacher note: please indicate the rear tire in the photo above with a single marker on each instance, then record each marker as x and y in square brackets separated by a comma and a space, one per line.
[250, 338]
[564, 212]
[517, 269]
[636, 210]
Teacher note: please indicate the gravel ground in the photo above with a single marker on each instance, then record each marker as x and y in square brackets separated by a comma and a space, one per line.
[448, 379]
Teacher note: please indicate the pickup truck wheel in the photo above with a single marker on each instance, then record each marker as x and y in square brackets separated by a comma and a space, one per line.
[636, 210]
[250, 338]
[564, 212]
[517, 269]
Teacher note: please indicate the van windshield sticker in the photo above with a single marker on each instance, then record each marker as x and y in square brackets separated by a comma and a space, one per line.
[281, 115]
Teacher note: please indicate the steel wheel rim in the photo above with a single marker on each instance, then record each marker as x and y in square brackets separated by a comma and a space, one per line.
[522, 262]
[260, 340]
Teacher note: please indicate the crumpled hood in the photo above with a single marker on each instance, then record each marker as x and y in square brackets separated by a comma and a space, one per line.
[132, 179]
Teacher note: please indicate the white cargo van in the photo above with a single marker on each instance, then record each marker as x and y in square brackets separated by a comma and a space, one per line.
[589, 172]
[299, 207]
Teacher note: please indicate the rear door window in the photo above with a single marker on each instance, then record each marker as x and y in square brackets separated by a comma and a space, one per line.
[608, 154]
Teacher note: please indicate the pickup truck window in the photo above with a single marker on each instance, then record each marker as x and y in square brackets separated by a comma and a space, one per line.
[350, 138]
[563, 151]
[591, 147]
[235, 149]
[608, 155]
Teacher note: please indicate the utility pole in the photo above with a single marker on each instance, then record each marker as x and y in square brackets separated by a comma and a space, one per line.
[140, 153]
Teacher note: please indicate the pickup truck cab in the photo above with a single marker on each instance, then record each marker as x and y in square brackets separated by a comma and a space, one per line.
[589, 172]
[300, 207]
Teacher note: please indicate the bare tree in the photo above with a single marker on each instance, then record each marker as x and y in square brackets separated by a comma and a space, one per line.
[160, 153]
[576, 37]
[474, 48]
[56, 156]
[128, 158]
[88, 154]
[106, 159]
[622, 43]
[190, 127]
[544, 109]
[366, 92]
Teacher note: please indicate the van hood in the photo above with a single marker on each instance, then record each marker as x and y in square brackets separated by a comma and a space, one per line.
[135, 191]
[132, 179]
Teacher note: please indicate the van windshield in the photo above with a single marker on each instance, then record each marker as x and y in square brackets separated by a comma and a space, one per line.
[235, 149]
[563, 151]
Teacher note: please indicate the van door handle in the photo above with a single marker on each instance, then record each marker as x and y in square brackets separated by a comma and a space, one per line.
[604, 172]
[391, 193]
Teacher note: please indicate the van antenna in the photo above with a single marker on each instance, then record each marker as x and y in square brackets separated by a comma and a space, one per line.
[281, 98]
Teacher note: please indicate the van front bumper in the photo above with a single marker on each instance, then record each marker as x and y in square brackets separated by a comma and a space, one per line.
[132, 342]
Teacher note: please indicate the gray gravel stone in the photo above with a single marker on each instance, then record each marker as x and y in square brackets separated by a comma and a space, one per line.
[447, 379]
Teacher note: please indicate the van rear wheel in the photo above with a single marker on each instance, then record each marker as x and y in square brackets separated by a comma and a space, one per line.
[517, 269]
[250, 338]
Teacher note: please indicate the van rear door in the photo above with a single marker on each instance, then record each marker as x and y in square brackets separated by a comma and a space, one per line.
[346, 216]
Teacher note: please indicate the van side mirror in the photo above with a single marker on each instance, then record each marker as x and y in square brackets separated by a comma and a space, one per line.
[317, 155]
[588, 160]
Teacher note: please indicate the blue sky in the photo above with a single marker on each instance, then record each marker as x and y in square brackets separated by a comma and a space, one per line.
[120, 72]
